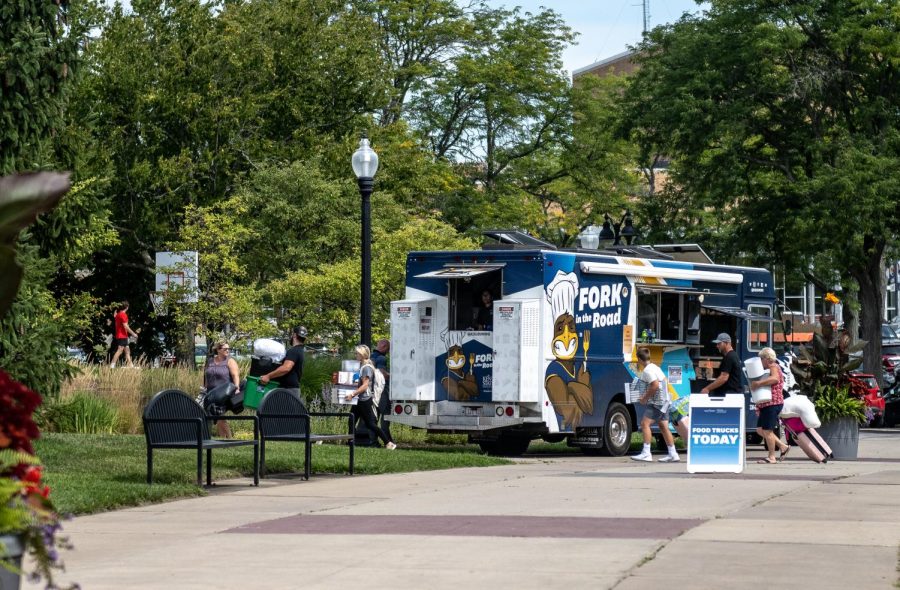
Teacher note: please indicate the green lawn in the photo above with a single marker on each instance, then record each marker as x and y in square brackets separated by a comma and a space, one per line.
[92, 473]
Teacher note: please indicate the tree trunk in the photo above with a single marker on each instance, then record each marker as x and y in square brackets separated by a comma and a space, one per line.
[870, 278]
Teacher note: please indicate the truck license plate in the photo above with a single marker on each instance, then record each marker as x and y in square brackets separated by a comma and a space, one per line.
[471, 411]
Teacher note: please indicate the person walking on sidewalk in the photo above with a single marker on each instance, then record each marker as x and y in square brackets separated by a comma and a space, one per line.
[656, 399]
[767, 412]
[365, 408]
[730, 371]
[379, 359]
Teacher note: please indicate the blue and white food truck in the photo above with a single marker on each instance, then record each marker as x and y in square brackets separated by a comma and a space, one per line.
[557, 355]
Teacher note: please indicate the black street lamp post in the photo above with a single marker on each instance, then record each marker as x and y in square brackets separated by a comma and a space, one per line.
[365, 165]
[612, 234]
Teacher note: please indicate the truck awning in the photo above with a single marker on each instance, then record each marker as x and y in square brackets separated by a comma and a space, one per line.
[460, 271]
[661, 272]
[740, 313]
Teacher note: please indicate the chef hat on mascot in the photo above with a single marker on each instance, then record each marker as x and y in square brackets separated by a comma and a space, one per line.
[452, 338]
[561, 293]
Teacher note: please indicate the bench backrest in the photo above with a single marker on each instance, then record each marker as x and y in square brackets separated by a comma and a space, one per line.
[285, 402]
[173, 403]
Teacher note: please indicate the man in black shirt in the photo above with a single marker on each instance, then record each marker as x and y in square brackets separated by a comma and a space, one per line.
[290, 372]
[730, 379]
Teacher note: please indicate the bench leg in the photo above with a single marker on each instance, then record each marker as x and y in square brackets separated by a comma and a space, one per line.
[352, 448]
[149, 465]
[199, 466]
[262, 457]
[209, 467]
[307, 459]
[256, 464]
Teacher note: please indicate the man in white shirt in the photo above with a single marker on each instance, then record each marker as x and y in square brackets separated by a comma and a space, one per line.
[656, 399]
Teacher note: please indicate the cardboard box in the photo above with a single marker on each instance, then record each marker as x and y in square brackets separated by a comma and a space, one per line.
[339, 394]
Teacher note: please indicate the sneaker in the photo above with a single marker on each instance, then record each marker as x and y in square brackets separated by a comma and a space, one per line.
[670, 459]
[642, 457]
[390, 446]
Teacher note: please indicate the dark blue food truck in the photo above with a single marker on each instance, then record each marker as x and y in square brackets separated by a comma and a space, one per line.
[557, 354]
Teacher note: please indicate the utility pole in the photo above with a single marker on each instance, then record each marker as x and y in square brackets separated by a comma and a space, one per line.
[646, 16]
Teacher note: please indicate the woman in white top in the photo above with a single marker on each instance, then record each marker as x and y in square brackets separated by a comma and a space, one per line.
[656, 399]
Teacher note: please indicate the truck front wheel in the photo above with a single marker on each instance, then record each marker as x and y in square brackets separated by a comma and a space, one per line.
[617, 430]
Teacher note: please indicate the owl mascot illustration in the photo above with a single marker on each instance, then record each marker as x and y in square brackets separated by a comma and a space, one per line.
[568, 385]
[459, 386]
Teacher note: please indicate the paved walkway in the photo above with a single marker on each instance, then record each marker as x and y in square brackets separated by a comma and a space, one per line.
[547, 521]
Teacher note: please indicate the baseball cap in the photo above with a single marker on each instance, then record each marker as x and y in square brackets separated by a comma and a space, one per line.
[300, 331]
[723, 337]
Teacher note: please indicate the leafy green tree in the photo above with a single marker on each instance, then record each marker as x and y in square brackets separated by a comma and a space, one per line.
[40, 57]
[783, 119]
[326, 299]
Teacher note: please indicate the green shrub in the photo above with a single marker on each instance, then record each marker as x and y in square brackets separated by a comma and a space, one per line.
[82, 413]
[836, 402]
[317, 370]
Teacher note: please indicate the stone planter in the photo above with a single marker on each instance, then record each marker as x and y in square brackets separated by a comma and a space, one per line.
[12, 552]
[842, 435]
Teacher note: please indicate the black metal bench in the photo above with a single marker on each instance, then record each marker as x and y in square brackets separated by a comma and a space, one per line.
[172, 420]
[283, 417]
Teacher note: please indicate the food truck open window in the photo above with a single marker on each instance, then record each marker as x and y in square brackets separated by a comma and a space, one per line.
[672, 315]
[465, 285]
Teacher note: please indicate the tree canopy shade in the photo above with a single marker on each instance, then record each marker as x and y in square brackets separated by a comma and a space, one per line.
[784, 121]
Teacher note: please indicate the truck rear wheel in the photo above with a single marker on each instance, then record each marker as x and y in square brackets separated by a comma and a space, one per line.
[617, 430]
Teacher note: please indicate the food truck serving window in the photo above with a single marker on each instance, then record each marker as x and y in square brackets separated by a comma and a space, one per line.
[467, 306]
[760, 332]
[672, 316]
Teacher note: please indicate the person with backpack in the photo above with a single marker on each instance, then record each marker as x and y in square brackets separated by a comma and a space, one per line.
[382, 385]
[365, 406]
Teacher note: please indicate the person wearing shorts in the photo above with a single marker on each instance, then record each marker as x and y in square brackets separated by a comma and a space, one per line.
[679, 415]
[767, 412]
[120, 338]
[656, 400]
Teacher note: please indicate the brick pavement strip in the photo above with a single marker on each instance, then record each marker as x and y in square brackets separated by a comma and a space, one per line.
[474, 526]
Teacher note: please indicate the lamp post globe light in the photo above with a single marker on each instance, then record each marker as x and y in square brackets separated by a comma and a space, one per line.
[613, 234]
[365, 165]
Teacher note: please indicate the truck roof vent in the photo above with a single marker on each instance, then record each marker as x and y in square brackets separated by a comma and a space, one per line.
[514, 238]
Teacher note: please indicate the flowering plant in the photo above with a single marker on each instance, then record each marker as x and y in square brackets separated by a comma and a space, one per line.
[25, 507]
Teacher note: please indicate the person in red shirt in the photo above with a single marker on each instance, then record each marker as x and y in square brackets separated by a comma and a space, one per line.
[123, 331]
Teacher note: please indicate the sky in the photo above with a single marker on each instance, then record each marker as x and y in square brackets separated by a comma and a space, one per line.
[605, 27]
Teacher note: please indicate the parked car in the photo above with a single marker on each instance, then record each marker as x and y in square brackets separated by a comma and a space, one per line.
[890, 366]
[892, 406]
[890, 341]
[865, 387]
[321, 349]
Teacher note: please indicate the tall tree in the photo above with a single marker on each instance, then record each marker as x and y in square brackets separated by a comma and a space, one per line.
[41, 46]
[785, 119]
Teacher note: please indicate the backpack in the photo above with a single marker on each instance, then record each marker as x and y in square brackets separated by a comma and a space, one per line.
[378, 387]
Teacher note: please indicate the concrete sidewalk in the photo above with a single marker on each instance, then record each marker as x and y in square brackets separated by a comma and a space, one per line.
[547, 521]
